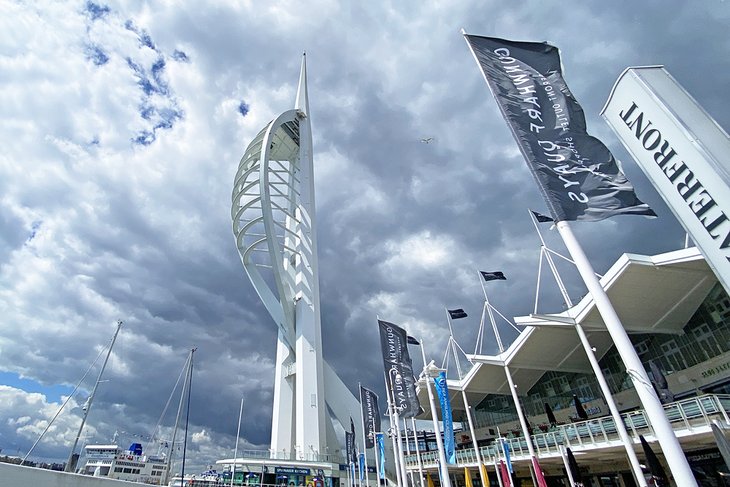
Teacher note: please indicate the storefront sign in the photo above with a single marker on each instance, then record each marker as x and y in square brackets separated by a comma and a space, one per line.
[684, 153]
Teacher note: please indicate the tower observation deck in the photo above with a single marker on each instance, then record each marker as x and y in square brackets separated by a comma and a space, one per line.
[274, 225]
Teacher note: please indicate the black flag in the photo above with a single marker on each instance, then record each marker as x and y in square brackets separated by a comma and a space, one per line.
[457, 313]
[654, 466]
[399, 369]
[353, 453]
[349, 445]
[542, 218]
[576, 174]
[493, 276]
[412, 341]
[370, 415]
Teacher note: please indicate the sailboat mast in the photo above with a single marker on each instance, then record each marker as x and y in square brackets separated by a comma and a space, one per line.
[71, 464]
[171, 452]
[187, 414]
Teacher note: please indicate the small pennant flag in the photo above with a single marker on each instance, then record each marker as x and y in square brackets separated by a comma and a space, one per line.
[493, 276]
[542, 218]
[457, 313]
[412, 341]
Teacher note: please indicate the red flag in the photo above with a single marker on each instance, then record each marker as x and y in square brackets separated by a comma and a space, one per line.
[506, 481]
[538, 473]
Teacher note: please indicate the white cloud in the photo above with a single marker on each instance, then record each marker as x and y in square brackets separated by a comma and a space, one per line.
[96, 227]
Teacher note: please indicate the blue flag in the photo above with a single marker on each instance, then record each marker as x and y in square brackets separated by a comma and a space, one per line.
[362, 466]
[443, 392]
[380, 443]
[505, 447]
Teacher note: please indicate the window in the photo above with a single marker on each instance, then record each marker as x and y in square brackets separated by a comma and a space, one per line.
[674, 355]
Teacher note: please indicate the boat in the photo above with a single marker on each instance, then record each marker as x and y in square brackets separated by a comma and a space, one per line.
[131, 464]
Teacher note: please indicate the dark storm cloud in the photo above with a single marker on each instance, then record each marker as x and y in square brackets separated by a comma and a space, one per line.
[143, 233]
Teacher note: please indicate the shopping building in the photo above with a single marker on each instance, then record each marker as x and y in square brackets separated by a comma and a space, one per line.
[678, 318]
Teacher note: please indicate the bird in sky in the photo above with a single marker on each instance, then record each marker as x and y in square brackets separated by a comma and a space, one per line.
[427, 140]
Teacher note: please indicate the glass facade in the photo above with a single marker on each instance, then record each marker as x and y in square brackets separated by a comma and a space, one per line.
[704, 337]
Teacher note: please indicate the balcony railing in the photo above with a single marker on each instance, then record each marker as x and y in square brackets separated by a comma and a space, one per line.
[687, 417]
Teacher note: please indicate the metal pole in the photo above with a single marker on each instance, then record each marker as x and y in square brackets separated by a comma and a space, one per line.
[652, 406]
[443, 467]
[364, 439]
[408, 449]
[377, 454]
[567, 465]
[187, 414]
[512, 387]
[605, 389]
[418, 451]
[393, 414]
[69, 467]
[473, 437]
[177, 423]
[235, 450]
[396, 419]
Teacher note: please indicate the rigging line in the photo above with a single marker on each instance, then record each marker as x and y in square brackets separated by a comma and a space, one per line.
[63, 405]
[164, 411]
[505, 319]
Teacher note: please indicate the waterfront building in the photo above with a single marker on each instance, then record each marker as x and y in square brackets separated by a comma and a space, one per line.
[678, 318]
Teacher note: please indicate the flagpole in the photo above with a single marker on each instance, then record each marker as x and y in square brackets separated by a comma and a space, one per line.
[376, 451]
[451, 343]
[512, 387]
[418, 451]
[443, 467]
[408, 449]
[652, 406]
[567, 466]
[364, 438]
[511, 475]
[467, 408]
[605, 389]
[401, 458]
[393, 414]
[463, 396]
[497, 471]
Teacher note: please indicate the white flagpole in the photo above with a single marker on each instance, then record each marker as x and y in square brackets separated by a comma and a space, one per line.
[235, 450]
[393, 415]
[607, 396]
[396, 420]
[496, 468]
[511, 475]
[512, 387]
[377, 454]
[466, 402]
[364, 438]
[443, 467]
[408, 449]
[567, 465]
[418, 451]
[473, 436]
[652, 406]
[452, 343]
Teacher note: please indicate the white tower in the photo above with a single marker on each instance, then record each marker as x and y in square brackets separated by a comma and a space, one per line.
[274, 225]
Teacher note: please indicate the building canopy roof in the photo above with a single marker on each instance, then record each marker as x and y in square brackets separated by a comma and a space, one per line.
[651, 294]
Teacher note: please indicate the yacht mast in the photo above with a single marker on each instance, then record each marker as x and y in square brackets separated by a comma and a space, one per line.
[71, 463]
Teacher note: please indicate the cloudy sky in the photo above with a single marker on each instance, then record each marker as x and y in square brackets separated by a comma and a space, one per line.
[122, 127]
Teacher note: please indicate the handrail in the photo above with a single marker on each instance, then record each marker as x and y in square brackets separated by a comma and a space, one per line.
[688, 416]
